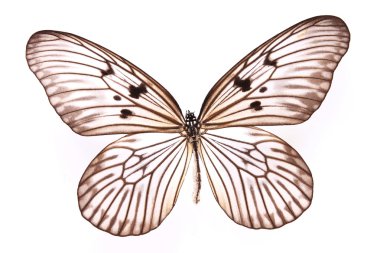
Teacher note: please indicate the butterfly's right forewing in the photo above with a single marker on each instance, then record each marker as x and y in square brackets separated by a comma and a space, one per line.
[283, 81]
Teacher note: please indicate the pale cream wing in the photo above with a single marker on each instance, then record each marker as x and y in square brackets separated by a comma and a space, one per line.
[95, 91]
[258, 179]
[283, 81]
[133, 184]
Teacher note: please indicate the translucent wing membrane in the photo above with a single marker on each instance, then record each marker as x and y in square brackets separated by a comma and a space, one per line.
[96, 91]
[281, 82]
[133, 184]
[257, 178]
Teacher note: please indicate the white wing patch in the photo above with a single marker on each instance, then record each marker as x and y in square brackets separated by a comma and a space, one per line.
[257, 178]
[133, 184]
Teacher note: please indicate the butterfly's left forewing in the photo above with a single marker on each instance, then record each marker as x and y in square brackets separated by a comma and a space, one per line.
[132, 185]
[95, 91]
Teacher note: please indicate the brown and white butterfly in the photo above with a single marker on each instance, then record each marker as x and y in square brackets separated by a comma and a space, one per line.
[133, 184]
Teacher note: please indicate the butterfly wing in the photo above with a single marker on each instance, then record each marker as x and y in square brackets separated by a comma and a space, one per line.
[133, 184]
[96, 91]
[283, 81]
[257, 178]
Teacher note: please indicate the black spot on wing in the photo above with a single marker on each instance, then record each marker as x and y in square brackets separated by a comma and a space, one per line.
[263, 89]
[117, 97]
[256, 105]
[125, 113]
[269, 62]
[245, 84]
[108, 71]
[135, 92]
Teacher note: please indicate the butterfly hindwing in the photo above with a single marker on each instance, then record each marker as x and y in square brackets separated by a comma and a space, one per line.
[258, 179]
[283, 81]
[133, 184]
[96, 91]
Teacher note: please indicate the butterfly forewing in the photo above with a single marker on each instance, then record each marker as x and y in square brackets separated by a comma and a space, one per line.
[281, 82]
[96, 91]
[133, 184]
[257, 178]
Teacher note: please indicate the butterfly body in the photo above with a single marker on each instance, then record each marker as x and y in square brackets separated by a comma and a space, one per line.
[258, 179]
[192, 128]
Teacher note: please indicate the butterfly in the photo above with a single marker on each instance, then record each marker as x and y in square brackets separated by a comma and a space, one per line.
[131, 186]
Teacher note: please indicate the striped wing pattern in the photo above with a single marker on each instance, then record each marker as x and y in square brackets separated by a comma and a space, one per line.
[96, 91]
[133, 184]
[260, 182]
[283, 81]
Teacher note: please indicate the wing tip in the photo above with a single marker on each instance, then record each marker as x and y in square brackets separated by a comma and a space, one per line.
[337, 20]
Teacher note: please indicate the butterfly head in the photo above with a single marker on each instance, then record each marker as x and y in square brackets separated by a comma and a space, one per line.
[190, 116]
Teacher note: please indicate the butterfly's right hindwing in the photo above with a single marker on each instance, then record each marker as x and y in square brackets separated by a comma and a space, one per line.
[258, 179]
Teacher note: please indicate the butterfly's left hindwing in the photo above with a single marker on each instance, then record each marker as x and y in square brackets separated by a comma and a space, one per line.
[133, 184]
[96, 91]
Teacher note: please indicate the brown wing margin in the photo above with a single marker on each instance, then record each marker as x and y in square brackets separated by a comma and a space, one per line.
[283, 81]
[95, 91]
[133, 184]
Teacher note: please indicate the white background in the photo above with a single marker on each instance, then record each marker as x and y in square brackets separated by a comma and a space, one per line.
[187, 46]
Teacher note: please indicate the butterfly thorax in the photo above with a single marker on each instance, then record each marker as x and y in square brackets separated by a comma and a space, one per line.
[192, 125]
